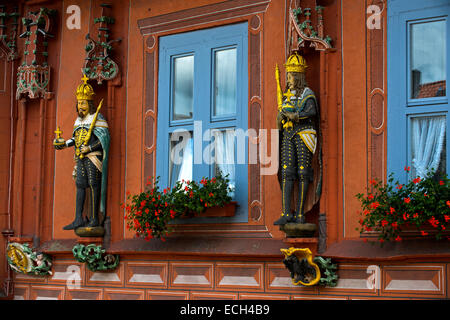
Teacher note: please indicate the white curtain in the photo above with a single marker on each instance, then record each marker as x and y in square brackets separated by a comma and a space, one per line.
[225, 155]
[182, 168]
[428, 135]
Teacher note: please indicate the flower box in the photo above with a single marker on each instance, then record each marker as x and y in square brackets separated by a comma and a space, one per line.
[228, 210]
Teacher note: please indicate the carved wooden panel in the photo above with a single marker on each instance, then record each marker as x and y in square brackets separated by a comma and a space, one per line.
[123, 294]
[239, 276]
[114, 278]
[84, 294]
[191, 275]
[46, 293]
[147, 274]
[407, 280]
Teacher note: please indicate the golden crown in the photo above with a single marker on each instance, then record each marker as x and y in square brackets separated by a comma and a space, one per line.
[85, 90]
[295, 63]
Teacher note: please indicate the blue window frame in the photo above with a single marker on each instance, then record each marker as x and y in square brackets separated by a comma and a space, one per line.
[418, 62]
[202, 103]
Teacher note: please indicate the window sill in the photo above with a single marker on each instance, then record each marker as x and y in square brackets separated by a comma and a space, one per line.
[414, 249]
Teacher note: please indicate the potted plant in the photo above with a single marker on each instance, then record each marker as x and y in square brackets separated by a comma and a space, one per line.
[150, 212]
[390, 209]
[209, 198]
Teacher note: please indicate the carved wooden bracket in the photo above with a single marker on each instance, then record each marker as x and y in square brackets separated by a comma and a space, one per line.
[301, 30]
[99, 64]
[33, 76]
[8, 32]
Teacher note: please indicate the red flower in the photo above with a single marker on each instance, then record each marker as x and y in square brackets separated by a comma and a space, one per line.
[384, 223]
[447, 217]
[423, 233]
[381, 240]
[211, 194]
[448, 203]
[416, 180]
[392, 210]
[415, 215]
[165, 191]
[398, 238]
[399, 186]
[394, 225]
[366, 212]
[405, 216]
[375, 205]
[143, 203]
[372, 182]
[407, 169]
[370, 197]
[407, 200]
[147, 211]
[441, 183]
[433, 221]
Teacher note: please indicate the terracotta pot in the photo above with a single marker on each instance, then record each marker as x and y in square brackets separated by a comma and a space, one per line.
[227, 210]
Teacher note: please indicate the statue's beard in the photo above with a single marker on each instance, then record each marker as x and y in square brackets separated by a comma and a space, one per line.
[82, 114]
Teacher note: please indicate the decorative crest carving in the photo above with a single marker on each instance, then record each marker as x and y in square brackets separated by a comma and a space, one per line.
[33, 76]
[8, 32]
[99, 64]
[302, 31]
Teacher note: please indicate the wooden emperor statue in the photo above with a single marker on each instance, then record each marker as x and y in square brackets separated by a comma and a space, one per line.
[297, 119]
[91, 140]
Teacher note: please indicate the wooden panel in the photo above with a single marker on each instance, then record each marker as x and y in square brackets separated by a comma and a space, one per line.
[321, 297]
[84, 294]
[238, 276]
[23, 278]
[67, 272]
[191, 275]
[424, 280]
[124, 294]
[257, 296]
[108, 278]
[47, 293]
[167, 295]
[213, 296]
[200, 15]
[354, 279]
[148, 274]
[278, 278]
[21, 292]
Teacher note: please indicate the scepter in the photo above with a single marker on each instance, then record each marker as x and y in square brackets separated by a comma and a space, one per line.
[88, 135]
[279, 92]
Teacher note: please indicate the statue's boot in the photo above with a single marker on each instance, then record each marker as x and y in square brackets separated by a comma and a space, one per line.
[286, 215]
[95, 196]
[78, 222]
[302, 191]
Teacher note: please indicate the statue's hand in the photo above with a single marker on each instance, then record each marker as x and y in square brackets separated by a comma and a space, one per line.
[59, 144]
[85, 149]
[293, 116]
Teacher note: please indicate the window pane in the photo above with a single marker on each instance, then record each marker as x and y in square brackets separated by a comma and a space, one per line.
[428, 63]
[183, 88]
[181, 157]
[428, 135]
[224, 82]
[224, 148]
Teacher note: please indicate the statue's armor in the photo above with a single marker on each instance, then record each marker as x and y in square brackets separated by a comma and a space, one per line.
[88, 176]
[297, 149]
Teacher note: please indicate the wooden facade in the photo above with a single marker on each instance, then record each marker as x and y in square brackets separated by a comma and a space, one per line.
[207, 260]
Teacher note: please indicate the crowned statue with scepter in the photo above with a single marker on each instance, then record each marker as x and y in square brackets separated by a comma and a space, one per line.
[298, 122]
[91, 140]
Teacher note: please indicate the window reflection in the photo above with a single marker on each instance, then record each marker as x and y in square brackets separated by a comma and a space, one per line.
[428, 62]
[183, 88]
